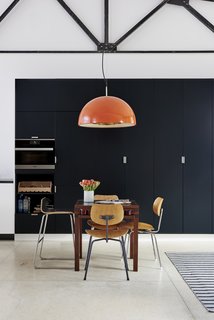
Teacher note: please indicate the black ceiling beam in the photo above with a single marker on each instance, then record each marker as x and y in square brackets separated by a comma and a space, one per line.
[137, 25]
[96, 52]
[195, 13]
[106, 46]
[79, 22]
[106, 21]
[7, 11]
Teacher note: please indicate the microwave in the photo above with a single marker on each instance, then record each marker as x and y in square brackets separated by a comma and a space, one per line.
[35, 154]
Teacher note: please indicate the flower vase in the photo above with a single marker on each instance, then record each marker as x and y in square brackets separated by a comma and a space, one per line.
[88, 196]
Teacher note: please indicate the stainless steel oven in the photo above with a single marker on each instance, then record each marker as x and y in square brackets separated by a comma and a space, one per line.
[35, 154]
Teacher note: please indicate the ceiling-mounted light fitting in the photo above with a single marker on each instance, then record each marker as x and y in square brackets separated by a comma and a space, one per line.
[106, 112]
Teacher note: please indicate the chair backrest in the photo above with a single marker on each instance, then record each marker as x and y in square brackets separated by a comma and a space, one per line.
[158, 210]
[157, 206]
[44, 203]
[105, 197]
[115, 211]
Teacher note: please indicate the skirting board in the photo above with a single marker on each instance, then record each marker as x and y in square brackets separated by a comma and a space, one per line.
[5, 236]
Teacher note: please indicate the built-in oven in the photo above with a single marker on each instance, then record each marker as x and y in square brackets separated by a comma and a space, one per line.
[35, 154]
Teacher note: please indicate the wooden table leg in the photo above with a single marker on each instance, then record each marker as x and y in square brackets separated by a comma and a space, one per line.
[80, 233]
[135, 244]
[77, 243]
[131, 245]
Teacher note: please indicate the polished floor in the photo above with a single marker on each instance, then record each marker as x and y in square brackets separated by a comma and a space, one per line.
[151, 293]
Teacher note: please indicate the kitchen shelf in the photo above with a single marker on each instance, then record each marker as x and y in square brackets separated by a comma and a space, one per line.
[35, 193]
[29, 222]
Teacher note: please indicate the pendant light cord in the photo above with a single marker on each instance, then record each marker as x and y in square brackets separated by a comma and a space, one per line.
[104, 77]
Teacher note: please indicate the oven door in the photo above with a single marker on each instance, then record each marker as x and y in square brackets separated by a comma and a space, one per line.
[40, 156]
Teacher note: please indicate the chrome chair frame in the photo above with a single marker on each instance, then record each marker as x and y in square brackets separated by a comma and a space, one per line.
[153, 238]
[91, 242]
[42, 232]
[90, 245]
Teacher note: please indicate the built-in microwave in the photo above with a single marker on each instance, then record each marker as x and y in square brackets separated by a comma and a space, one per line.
[35, 154]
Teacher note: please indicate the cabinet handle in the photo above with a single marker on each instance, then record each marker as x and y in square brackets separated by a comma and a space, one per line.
[125, 159]
[183, 159]
[54, 189]
[55, 159]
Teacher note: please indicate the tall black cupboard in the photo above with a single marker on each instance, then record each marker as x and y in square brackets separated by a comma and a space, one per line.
[168, 153]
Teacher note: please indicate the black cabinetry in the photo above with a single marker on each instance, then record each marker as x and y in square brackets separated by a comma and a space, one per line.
[35, 123]
[85, 154]
[168, 141]
[28, 215]
[169, 152]
[198, 151]
[137, 143]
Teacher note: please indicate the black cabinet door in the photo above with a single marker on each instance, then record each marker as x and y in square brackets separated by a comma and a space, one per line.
[41, 124]
[26, 223]
[137, 143]
[86, 154]
[168, 150]
[56, 94]
[198, 153]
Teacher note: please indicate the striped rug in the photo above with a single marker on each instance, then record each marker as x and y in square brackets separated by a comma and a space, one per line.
[197, 269]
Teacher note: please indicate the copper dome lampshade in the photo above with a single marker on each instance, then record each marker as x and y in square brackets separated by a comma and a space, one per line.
[106, 111]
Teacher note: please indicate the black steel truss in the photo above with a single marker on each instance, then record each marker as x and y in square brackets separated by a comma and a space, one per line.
[107, 46]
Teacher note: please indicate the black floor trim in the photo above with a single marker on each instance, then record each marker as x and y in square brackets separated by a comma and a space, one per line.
[6, 236]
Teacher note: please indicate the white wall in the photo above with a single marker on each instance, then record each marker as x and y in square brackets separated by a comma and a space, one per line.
[44, 25]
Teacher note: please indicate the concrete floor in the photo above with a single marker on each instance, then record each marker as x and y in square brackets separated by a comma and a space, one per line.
[151, 293]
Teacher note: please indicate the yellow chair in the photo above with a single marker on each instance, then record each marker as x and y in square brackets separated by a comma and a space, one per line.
[145, 228]
[46, 210]
[107, 216]
[99, 197]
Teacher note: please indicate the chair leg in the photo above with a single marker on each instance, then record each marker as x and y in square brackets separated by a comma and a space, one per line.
[43, 237]
[72, 228]
[157, 250]
[153, 246]
[38, 241]
[90, 239]
[127, 243]
[122, 242]
[88, 257]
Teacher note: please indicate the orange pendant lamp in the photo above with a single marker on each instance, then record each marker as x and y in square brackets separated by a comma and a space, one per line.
[106, 112]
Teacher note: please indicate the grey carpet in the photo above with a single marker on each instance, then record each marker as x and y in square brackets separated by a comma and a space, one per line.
[197, 269]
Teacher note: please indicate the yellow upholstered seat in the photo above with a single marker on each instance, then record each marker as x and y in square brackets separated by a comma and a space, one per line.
[145, 226]
[100, 227]
[141, 226]
[111, 234]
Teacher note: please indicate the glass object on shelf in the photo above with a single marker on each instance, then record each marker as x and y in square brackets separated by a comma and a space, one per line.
[28, 204]
[25, 204]
[20, 203]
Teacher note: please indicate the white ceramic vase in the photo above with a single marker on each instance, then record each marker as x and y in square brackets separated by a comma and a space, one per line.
[88, 196]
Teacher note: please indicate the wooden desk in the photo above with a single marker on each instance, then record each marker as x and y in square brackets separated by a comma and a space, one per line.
[82, 211]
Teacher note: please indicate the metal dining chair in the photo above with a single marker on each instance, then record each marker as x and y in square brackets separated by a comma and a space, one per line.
[145, 228]
[47, 211]
[107, 215]
[99, 197]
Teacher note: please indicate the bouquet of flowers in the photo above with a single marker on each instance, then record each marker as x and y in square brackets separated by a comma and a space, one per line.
[89, 185]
